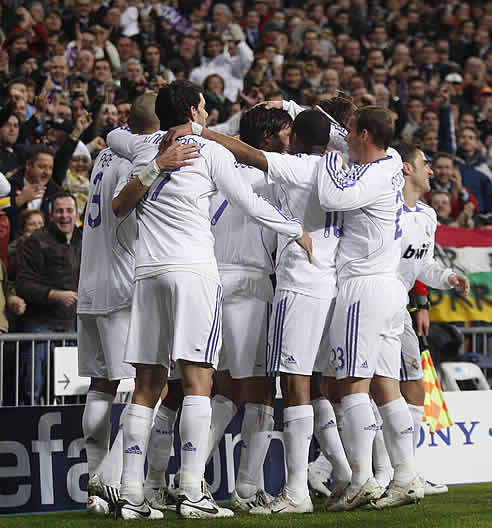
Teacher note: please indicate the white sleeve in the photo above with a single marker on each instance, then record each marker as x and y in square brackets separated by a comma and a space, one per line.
[4, 186]
[229, 127]
[292, 108]
[124, 176]
[122, 142]
[343, 191]
[241, 63]
[289, 169]
[432, 273]
[237, 190]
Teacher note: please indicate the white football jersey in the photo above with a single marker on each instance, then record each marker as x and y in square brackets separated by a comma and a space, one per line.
[295, 177]
[174, 217]
[371, 196]
[337, 131]
[239, 241]
[417, 249]
[108, 244]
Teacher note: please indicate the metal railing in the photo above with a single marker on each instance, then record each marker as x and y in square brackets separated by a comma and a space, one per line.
[481, 338]
[16, 352]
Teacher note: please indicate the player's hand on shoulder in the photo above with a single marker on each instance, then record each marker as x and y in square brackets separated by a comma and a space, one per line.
[173, 134]
[178, 155]
[460, 282]
[306, 242]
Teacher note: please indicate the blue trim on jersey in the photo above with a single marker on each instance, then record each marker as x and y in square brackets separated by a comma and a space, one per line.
[408, 210]
[213, 335]
[278, 335]
[347, 349]
[356, 337]
[219, 212]
[288, 218]
[403, 369]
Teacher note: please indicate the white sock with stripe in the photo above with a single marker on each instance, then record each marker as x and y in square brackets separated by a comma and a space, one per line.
[223, 411]
[398, 437]
[298, 431]
[383, 470]
[417, 413]
[359, 425]
[326, 432]
[194, 428]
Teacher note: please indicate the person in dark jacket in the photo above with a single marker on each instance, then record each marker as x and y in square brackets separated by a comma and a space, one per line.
[32, 187]
[48, 265]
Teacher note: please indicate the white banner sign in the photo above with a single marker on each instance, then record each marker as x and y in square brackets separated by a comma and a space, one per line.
[67, 379]
[462, 453]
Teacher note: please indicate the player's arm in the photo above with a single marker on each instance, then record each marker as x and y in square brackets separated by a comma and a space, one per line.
[339, 193]
[290, 170]
[175, 156]
[122, 142]
[239, 192]
[434, 275]
[242, 152]
[419, 299]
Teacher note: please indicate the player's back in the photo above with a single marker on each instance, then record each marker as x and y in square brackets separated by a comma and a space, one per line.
[372, 228]
[417, 242]
[239, 241]
[108, 254]
[298, 197]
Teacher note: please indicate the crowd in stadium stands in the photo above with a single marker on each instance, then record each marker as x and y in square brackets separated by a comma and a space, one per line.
[69, 71]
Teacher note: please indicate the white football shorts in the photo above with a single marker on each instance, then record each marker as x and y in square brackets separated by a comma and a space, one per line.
[245, 317]
[175, 315]
[411, 364]
[297, 327]
[367, 323]
[101, 345]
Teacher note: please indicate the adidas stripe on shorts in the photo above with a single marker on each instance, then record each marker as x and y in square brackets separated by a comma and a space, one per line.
[297, 326]
[175, 315]
[367, 323]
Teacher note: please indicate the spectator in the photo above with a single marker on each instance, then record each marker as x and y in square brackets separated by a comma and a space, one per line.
[48, 264]
[32, 187]
[11, 155]
[293, 84]
[76, 181]
[447, 178]
[215, 99]
[440, 201]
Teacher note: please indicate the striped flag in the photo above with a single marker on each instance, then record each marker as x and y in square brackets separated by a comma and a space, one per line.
[466, 251]
[435, 409]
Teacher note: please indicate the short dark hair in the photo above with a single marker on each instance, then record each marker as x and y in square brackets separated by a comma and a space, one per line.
[174, 101]
[312, 128]
[439, 155]
[378, 122]
[259, 123]
[37, 150]
[316, 59]
[340, 108]
[62, 194]
[407, 151]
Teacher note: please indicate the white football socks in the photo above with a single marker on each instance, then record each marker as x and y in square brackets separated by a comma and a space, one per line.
[136, 433]
[160, 446]
[194, 428]
[96, 425]
[417, 413]
[112, 465]
[359, 427]
[298, 431]
[398, 437]
[326, 432]
[383, 471]
[255, 434]
[223, 411]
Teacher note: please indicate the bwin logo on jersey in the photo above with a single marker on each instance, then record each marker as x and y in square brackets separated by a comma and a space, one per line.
[416, 253]
[189, 447]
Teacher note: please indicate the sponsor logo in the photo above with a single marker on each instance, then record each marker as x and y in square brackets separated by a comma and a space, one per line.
[408, 430]
[134, 450]
[189, 447]
[415, 364]
[204, 509]
[372, 427]
[143, 513]
[364, 365]
[418, 253]
[328, 425]
[290, 360]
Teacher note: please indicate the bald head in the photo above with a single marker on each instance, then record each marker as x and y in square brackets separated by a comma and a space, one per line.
[142, 119]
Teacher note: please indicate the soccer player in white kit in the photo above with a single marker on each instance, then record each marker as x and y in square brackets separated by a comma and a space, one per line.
[103, 308]
[176, 310]
[244, 256]
[304, 297]
[419, 223]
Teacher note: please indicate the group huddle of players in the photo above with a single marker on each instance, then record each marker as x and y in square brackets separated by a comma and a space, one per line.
[183, 233]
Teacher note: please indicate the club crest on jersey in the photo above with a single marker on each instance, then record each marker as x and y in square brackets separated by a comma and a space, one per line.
[417, 253]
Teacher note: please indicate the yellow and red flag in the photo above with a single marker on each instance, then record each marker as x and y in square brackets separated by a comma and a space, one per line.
[435, 409]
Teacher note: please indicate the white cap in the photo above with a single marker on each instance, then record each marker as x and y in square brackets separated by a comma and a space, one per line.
[81, 150]
[454, 78]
